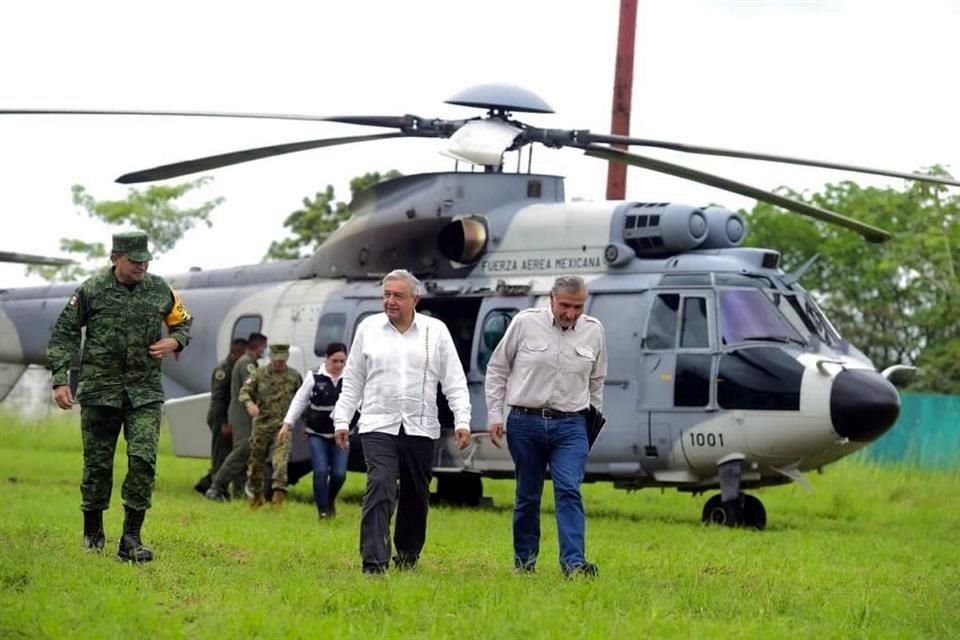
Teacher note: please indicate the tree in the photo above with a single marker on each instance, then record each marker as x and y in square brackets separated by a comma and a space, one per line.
[897, 302]
[152, 211]
[320, 217]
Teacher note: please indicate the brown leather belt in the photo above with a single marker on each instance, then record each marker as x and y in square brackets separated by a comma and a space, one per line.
[548, 413]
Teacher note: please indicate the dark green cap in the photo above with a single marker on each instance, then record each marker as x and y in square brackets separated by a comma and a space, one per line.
[280, 351]
[132, 244]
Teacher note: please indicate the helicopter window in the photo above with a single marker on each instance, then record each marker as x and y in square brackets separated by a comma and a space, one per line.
[245, 325]
[688, 279]
[631, 222]
[691, 387]
[794, 313]
[494, 327]
[332, 327]
[759, 378]
[693, 327]
[534, 189]
[654, 221]
[824, 329]
[662, 329]
[747, 315]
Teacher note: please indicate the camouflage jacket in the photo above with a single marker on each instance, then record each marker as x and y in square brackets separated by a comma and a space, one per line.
[219, 393]
[271, 392]
[121, 324]
[236, 414]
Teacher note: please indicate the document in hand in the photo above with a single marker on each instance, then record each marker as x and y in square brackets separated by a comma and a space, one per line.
[595, 422]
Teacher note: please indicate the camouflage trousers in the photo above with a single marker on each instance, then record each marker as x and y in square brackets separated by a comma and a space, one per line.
[263, 438]
[101, 428]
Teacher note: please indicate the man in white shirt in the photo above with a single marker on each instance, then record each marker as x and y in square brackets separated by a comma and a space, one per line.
[396, 361]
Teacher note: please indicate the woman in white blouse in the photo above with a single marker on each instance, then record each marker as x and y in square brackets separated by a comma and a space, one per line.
[315, 401]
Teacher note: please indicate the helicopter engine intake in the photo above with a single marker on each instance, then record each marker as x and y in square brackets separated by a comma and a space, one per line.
[463, 240]
[657, 229]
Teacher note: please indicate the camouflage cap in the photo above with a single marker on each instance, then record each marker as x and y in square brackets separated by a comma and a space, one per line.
[132, 244]
[280, 351]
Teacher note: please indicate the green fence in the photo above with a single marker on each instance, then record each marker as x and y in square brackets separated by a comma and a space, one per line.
[926, 434]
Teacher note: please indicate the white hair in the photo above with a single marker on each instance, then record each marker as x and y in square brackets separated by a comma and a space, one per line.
[570, 284]
[406, 276]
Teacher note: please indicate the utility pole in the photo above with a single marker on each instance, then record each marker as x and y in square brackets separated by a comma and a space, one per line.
[622, 93]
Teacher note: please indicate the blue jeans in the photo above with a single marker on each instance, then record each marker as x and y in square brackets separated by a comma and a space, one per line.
[535, 442]
[329, 470]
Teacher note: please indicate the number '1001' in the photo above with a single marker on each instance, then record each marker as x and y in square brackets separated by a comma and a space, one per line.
[706, 439]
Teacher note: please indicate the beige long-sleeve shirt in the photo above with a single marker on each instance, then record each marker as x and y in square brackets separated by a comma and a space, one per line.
[539, 365]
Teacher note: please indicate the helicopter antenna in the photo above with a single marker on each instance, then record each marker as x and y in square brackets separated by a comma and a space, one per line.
[794, 277]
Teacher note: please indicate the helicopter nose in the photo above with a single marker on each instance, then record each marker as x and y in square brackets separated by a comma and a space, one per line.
[863, 404]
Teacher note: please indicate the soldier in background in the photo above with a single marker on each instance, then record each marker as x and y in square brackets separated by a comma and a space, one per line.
[234, 467]
[221, 435]
[266, 396]
[122, 309]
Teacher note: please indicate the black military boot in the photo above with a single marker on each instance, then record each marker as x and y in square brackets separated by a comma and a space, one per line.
[131, 549]
[93, 536]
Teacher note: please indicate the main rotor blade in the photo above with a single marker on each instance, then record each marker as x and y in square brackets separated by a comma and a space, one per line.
[393, 122]
[588, 138]
[188, 114]
[869, 232]
[27, 258]
[236, 157]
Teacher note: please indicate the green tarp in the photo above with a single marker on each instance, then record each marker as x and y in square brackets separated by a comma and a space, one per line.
[926, 434]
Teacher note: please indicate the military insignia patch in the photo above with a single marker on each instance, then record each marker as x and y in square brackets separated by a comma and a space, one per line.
[178, 313]
[251, 367]
[74, 300]
[220, 374]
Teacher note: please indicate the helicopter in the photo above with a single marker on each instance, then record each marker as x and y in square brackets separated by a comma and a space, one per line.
[724, 373]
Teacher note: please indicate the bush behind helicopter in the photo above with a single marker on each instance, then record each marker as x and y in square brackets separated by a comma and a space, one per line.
[723, 372]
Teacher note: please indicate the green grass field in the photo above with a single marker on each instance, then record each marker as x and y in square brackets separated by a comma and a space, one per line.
[872, 553]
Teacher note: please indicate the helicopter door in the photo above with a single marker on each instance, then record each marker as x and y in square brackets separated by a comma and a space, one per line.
[676, 371]
[620, 440]
[493, 318]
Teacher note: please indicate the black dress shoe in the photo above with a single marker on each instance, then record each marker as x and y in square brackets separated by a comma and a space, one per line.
[586, 569]
[374, 569]
[405, 562]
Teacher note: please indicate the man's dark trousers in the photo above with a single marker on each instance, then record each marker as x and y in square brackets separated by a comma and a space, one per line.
[407, 459]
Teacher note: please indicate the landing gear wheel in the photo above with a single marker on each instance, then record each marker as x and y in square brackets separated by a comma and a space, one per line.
[718, 512]
[746, 511]
[754, 515]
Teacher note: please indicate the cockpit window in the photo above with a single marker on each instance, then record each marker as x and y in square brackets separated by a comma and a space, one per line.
[662, 329]
[693, 327]
[748, 315]
[759, 378]
[805, 317]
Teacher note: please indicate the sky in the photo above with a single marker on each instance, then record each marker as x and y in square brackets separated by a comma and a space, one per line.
[854, 81]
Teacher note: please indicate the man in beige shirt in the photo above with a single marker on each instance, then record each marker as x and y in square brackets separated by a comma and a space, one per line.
[548, 369]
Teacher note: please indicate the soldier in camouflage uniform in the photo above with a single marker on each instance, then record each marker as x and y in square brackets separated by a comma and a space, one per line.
[234, 468]
[221, 434]
[266, 395]
[123, 309]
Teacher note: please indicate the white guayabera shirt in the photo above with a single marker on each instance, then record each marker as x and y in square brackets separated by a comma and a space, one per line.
[392, 378]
